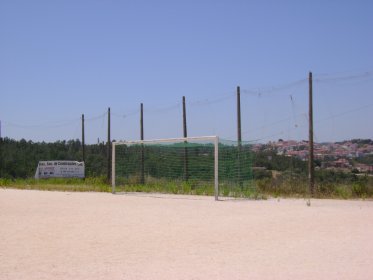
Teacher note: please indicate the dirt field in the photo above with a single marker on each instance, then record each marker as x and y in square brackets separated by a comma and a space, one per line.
[57, 235]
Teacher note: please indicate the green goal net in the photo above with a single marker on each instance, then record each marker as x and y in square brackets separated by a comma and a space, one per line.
[195, 165]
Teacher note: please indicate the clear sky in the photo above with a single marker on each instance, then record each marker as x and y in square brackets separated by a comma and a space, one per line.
[60, 59]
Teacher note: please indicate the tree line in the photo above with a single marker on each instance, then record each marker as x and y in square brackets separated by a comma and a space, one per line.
[19, 159]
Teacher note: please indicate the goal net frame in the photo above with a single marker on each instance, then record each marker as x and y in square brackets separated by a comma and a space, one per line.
[212, 139]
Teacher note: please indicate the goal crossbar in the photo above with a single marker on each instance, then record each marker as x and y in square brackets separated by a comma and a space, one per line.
[212, 139]
[168, 140]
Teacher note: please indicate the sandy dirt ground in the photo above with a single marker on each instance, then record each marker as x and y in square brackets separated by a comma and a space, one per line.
[61, 235]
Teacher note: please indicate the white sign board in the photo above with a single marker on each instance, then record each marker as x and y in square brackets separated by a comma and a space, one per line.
[59, 169]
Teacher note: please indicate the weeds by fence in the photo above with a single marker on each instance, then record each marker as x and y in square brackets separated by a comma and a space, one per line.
[361, 187]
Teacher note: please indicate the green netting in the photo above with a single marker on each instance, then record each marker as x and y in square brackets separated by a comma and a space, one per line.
[184, 167]
[235, 168]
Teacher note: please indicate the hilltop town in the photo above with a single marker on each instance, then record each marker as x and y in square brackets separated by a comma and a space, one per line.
[353, 155]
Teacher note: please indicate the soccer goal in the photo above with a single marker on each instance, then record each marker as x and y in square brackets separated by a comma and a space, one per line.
[193, 165]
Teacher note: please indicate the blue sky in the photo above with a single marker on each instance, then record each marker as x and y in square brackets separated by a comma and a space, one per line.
[60, 59]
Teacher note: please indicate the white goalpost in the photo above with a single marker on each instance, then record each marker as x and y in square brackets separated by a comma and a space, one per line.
[209, 145]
